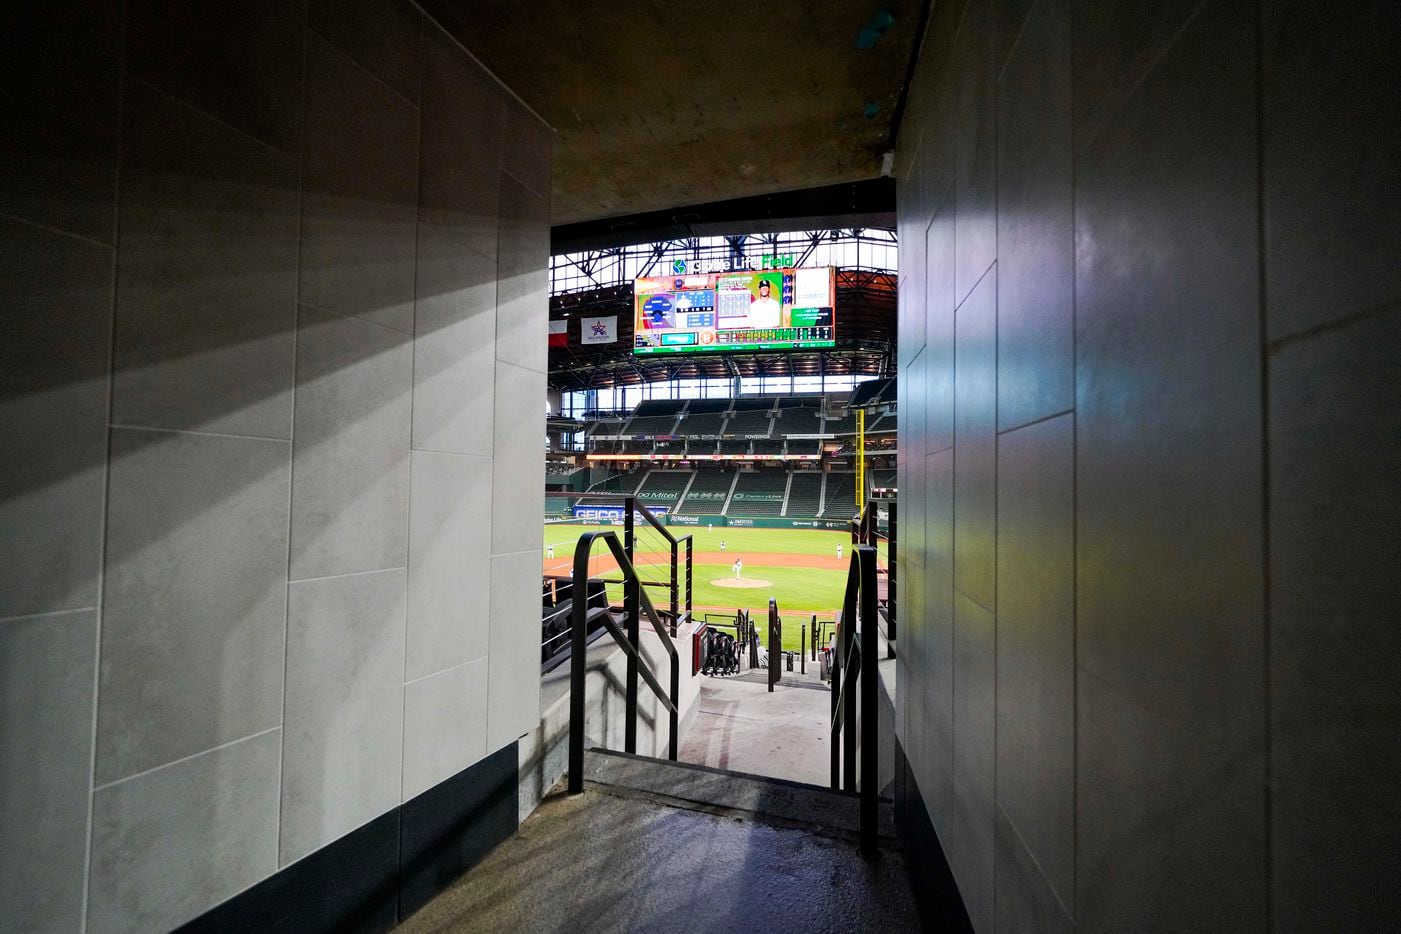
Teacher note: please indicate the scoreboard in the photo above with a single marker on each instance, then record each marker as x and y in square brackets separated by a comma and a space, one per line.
[773, 309]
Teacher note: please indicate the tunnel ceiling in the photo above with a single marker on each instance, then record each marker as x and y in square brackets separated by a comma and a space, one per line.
[665, 104]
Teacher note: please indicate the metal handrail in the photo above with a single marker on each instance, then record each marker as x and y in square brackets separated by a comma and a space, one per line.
[856, 661]
[628, 642]
[866, 530]
[635, 507]
[775, 643]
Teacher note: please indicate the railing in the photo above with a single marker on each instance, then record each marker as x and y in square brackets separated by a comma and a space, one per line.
[679, 586]
[865, 530]
[775, 644]
[677, 577]
[630, 644]
[856, 661]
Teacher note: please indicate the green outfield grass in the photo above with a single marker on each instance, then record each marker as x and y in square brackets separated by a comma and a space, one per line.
[773, 541]
[800, 592]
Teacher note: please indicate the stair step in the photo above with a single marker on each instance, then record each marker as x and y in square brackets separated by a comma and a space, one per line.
[790, 803]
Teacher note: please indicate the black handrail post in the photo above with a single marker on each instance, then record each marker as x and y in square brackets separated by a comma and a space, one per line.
[892, 596]
[870, 714]
[847, 634]
[802, 650]
[690, 555]
[675, 595]
[775, 670]
[836, 735]
[674, 723]
[576, 664]
[634, 631]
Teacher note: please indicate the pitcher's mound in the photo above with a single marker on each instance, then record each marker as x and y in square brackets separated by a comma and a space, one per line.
[743, 583]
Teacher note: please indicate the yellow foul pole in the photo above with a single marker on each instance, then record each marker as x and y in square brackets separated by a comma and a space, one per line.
[860, 460]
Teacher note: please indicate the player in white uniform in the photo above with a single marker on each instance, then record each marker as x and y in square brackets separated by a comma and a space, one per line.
[739, 568]
[550, 552]
[764, 312]
[839, 552]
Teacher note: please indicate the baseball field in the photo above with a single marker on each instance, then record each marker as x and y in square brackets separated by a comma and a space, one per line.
[799, 567]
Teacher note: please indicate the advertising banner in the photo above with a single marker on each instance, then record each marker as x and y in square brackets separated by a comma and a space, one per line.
[744, 522]
[612, 513]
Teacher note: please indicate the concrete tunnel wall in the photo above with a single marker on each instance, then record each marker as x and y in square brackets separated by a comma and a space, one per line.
[1150, 313]
[273, 368]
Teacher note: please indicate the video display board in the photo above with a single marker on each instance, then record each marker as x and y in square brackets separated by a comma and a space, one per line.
[772, 309]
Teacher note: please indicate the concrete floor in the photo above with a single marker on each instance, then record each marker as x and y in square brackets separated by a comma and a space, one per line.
[741, 726]
[617, 859]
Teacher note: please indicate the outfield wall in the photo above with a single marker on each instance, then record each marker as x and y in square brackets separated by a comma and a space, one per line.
[759, 522]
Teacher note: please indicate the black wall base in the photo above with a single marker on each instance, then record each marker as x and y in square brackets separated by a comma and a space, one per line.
[936, 893]
[379, 874]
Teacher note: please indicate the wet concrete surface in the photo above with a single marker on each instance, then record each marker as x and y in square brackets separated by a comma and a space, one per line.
[615, 859]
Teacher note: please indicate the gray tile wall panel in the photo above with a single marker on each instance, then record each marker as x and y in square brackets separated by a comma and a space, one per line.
[972, 802]
[343, 735]
[350, 478]
[1169, 502]
[975, 148]
[459, 180]
[526, 145]
[1335, 450]
[518, 457]
[207, 289]
[61, 174]
[445, 725]
[48, 666]
[939, 327]
[523, 288]
[230, 208]
[382, 35]
[513, 693]
[1117, 45]
[240, 63]
[1036, 644]
[1025, 902]
[1035, 234]
[360, 193]
[1331, 147]
[194, 596]
[1161, 806]
[975, 447]
[938, 683]
[910, 306]
[454, 356]
[168, 844]
[449, 567]
[912, 537]
[57, 310]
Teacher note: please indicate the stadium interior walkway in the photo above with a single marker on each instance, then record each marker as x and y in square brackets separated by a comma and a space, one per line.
[742, 726]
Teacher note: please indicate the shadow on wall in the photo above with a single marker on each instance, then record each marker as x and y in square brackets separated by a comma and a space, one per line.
[245, 277]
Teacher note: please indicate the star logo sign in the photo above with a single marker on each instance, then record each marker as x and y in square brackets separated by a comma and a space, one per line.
[600, 330]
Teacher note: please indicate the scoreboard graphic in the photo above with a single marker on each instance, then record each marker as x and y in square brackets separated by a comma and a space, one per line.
[772, 309]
